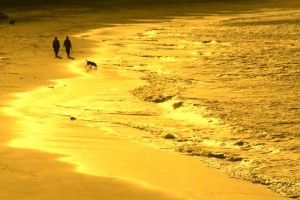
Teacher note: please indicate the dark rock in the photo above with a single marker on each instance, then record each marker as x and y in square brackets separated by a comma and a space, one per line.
[12, 22]
[177, 105]
[72, 118]
[161, 99]
[216, 155]
[240, 143]
[235, 159]
[169, 136]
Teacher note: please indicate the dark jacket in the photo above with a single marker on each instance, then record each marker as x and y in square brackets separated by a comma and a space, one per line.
[67, 44]
[56, 44]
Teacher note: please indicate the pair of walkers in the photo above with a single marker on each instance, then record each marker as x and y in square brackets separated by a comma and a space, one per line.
[67, 45]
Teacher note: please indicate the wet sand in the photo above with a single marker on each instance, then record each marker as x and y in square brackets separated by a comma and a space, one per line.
[102, 153]
[128, 169]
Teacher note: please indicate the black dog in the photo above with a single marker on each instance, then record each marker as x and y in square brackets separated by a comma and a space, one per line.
[90, 64]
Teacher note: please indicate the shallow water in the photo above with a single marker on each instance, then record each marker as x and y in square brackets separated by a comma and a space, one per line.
[224, 89]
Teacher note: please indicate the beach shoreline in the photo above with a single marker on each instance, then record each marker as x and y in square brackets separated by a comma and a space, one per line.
[35, 174]
[50, 85]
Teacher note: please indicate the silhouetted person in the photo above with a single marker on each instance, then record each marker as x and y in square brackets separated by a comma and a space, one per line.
[56, 46]
[68, 46]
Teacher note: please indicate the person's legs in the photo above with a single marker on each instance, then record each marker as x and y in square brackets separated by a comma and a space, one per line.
[68, 52]
[56, 52]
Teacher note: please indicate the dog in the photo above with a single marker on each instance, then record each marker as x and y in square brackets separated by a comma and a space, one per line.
[90, 64]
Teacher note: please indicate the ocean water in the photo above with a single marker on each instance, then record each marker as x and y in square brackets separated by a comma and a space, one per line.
[224, 89]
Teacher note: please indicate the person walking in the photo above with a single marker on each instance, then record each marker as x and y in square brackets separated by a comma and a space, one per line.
[68, 46]
[56, 46]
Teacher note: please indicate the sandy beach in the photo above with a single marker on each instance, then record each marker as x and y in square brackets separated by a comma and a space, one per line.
[148, 123]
